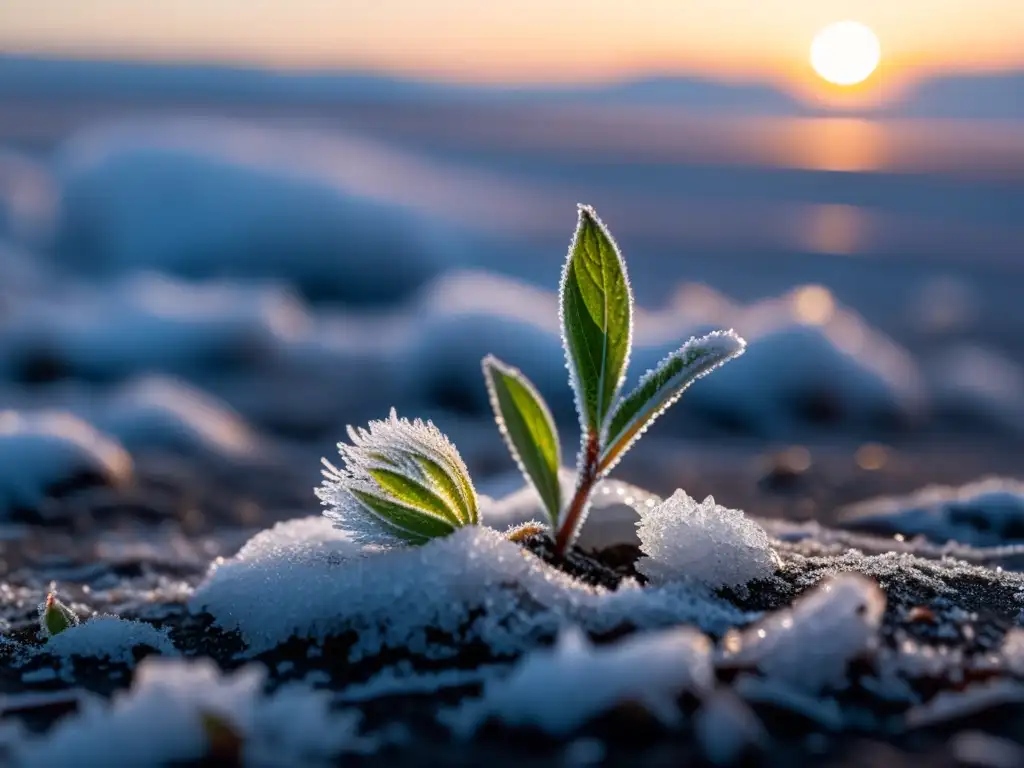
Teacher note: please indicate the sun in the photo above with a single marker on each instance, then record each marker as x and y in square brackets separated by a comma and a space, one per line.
[845, 53]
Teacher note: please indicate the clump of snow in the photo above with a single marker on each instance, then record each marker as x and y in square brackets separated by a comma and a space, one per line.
[109, 637]
[987, 512]
[165, 718]
[157, 411]
[983, 750]
[329, 213]
[305, 578]
[43, 451]
[810, 645]
[560, 689]
[726, 728]
[705, 542]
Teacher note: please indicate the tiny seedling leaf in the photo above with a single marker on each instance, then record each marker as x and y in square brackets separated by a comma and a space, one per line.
[529, 431]
[596, 307]
[662, 387]
[56, 617]
[407, 523]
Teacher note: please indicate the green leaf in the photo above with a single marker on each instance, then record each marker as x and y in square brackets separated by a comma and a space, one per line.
[56, 616]
[529, 431]
[405, 490]
[413, 525]
[597, 319]
[662, 387]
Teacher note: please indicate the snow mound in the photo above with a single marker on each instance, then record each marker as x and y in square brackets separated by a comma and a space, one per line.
[988, 512]
[560, 689]
[109, 637]
[46, 452]
[612, 518]
[200, 712]
[810, 645]
[307, 579]
[318, 210]
[163, 412]
[146, 323]
[706, 542]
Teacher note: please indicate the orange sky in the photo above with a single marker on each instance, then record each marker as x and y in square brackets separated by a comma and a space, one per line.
[515, 40]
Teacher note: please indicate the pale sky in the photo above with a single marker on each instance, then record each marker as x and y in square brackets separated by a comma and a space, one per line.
[510, 40]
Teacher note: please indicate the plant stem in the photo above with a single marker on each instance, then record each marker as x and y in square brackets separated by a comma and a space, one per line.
[588, 476]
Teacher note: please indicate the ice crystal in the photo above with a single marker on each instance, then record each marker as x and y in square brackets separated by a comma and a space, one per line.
[703, 542]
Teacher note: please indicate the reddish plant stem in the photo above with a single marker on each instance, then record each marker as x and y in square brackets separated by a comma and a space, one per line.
[588, 476]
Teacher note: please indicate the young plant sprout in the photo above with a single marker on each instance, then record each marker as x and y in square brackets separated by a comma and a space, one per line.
[55, 617]
[596, 311]
[405, 481]
[401, 480]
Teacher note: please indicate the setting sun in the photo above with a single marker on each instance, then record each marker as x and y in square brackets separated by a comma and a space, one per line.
[845, 53]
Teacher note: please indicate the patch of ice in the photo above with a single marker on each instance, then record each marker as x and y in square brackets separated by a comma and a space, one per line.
[166, 413]
[305, 578]
[983, 513]
[560, 689]
[726, 728]
[705, 542]
[43, 451]
[809, 646]
[324, 211]
[109, 637]
[166, 718]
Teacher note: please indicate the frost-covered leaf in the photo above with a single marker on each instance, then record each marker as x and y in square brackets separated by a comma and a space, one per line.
[529, 430]
[400, 480]
[596, 308]
[55, 617]
[663, 386]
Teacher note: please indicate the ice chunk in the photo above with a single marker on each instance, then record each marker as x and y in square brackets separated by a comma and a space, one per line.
[987, 512]
[42, 452]
[810, 645]
[726, 727]
[560, 689]
[703, 542]
[108, 637]
[178, 711]
[305, 578]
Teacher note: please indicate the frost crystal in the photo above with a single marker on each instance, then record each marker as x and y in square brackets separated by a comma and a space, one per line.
[560, 689]
[809, 646]
[702, 542]
[401, 481]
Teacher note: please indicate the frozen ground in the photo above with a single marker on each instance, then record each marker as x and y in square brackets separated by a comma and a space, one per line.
[192, 309]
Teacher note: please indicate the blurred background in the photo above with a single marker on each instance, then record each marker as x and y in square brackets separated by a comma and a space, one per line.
[230, 227]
